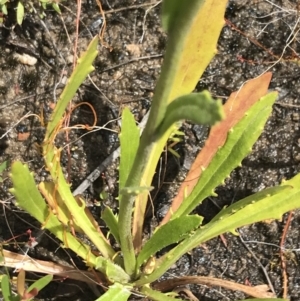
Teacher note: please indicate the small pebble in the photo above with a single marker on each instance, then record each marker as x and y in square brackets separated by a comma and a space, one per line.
[25, 59]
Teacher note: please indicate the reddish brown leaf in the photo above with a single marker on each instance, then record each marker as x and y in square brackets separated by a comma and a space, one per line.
[235, 108]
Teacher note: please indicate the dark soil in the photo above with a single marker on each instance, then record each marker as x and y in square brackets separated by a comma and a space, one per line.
[262, 35]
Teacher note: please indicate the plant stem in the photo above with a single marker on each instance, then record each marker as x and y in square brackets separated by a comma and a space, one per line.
[160, 101]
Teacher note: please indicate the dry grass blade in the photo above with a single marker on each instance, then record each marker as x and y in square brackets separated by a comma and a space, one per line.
[259, 291]
[19, 261]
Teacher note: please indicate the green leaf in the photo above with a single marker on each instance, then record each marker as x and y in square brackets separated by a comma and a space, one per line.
[199, 108]
[20, 13]
[192, 43]
[172, 232]
[40, 283]
[238, 144]
[129, 141]
[4, 9]
[52, 154]
[44, 6]
[27, 195]
[111, 222]
[116, 292]
[103, 195]
[29, 198]
[56, 8]
[260, 196]
[7, 293]
[157, 296]
[5, 287]
[113, 272]
[271, 203]
[253, 209]
[81, 71]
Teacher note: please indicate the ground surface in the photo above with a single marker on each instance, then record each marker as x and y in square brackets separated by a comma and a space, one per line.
[262, 35]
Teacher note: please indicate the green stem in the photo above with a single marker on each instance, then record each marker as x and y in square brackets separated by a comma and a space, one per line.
[159, 104]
